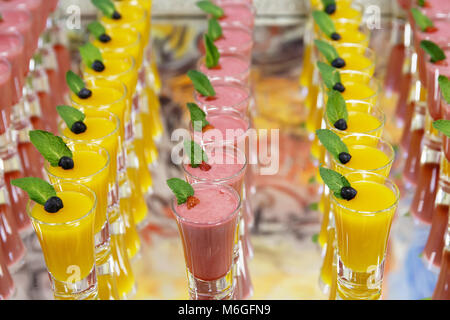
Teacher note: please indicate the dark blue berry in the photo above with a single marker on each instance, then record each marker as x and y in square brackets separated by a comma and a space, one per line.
[84, 93]
[335, 36]
[66, 163]
[341, 124]
[53, 204]
[348, 193]
[338, 63]
[78, 127]
[339, 87]
[331, 8]
[116, 15]
[104, 38]
[98, 66]
[344, 157]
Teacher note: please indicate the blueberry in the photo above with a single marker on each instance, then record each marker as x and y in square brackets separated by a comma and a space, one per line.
[339, 87]
[348, 193]
[331, 8]
[53, 204]
[104, 38]
[116, 15]
[66, 163]
[344, 157]
[98, 66]
[84, 93]
[78, 127]
[335, 36]
[338, 63]
[341, 124]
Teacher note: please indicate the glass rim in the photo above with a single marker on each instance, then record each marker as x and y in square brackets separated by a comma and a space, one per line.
[91, 211]
[235, 48]
[17, 34]
[380, 140]
[221, 83]
[129, 23]
[215, 223]
[5, 61]
[123, 48]
[93, 85]
[373, 82]
[108, 161]
[116, 120]
[221, 180]
[22, 10]
[116, 75]
[396, 192]
[237, 2]
[372, 106]
[368, 53]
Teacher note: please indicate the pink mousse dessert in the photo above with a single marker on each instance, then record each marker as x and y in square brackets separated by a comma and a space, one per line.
[5, 94]
[231, 68]
[433, 71]
[440, 8]
[238, 13]
[35, 7]
[19, 20]
[225, 166]
[235, 40]
[208, 230]
[228, 95]
[438, 34]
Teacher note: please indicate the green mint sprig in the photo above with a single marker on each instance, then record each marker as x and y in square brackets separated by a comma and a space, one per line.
[212, 53]
[38, 190]
[327, 50]
[74, 82]
[334, 180]
[330, 75]
[51, 147]
[422, 21]
[105, 6]
[442, 126]
[332, 142]
[96, 29]
[181, 189]
[336, 108]
[90, 53]
[201, 83]
[444, 85]
[214, 29]
[196, 154]
[70, 115]
[324, 22]
[433, 50]
[198, 116]
[211, 8]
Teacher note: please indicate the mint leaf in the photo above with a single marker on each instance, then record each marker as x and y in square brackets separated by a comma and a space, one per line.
[324, 22]
[51, 147]
[444, 85]
[211, 8]
[181, 189]
[421, 3]
[313, 206]
[434, 51]
[105, 6]
[330, 75]
[336, 108]
[1, 17]
[326, 3]
[90, 53]
[38, 190]
[214, 29]
[74, 82]
[315, 238]
[327, 50]
[212, 53]
[96, 29]
[334, 180]
[198, 116]
[196, 154]
[201, 83]
[70, 115]
[443, 126]
[422, 21]
[331, 142]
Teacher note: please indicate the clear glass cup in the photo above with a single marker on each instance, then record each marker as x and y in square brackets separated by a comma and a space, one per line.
[209, 245]
[68, 242]
[231, 68]
[362, 235]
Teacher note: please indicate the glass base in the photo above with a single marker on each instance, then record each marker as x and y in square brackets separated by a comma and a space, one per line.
[84, 289]
[220, 289]
[352, 285]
